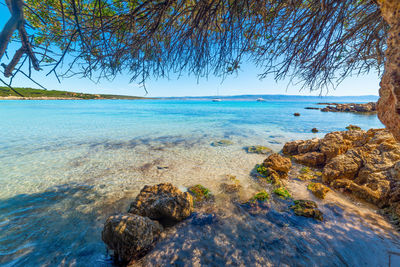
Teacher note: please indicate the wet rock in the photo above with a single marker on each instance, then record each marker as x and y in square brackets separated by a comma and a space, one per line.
[258, 150]
[314, 130]
[350, 107]
[200, 193]
[307, 208]
[130, 236]
[275, 168]
[296, 114]
[282, 192]
[223, 142]
[353, 128]
[163, 202]
[230, 188]
[260, 196]
[319, 190]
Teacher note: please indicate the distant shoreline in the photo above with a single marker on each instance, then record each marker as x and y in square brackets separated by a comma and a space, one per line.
[69, 98]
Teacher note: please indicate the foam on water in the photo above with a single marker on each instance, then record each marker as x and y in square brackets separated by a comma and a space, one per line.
[65, 166]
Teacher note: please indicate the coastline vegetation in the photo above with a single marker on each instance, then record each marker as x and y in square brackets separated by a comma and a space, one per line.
[40, 93]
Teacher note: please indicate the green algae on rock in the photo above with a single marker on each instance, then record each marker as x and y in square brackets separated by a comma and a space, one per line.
[274, 168]
[232, 186]
[258, 150]
[319, 190]
[260, 196]
[282, 192]
[222, 142]
[200, 193]
[307, 208]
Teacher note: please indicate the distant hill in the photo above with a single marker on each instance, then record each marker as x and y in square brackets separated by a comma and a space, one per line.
[30, 93]
[339, 99]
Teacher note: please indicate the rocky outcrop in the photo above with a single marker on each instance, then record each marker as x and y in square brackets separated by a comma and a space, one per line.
[163, 202]
[316, 152]
[275, 168]
[351, 107]
[130, 236]
[389, 101]
[364, 163]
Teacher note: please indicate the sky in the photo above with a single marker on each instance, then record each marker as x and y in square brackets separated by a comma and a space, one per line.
[245, 82]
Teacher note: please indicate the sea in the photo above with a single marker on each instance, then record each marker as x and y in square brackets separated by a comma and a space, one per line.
[66, 165]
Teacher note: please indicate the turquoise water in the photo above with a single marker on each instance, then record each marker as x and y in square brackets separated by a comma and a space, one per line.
[67, 165]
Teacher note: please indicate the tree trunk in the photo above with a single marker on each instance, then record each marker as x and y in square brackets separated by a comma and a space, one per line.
[389, 101]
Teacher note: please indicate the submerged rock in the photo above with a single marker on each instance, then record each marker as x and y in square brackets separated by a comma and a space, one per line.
[260, 196]
[222, 142]
[163, 202]
[258, 150]
[282, 192]
[296, 114]
[307, 208]
[319, 190]
[130, 236]
[200, 193]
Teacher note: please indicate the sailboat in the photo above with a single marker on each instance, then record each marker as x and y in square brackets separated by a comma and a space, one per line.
[217, 99]
[260, 99]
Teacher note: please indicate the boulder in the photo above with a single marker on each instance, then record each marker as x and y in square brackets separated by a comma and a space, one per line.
[163, 202]
[312, 159]
[307, 208]
[319, 190]
[278, 163]
[130, 236]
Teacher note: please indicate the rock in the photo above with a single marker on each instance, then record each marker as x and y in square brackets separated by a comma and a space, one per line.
[278, 163]
[230, 188]
[260, 196]
[353, 128]
[363, 163]
[314, 130]
[258, 150]
[296, 114]
[223, 142]
[319, 190]
[200, 193]
[350, 107]
[274, 168]
[282, 192]
[312, 159]
[163, 202]
[291, 148]
[312, 108]
[307, 208]
[130, 236]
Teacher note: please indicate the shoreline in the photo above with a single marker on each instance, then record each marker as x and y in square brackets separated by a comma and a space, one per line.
[68, 98]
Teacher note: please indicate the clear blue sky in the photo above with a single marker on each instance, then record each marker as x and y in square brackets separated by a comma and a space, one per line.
[246, 82]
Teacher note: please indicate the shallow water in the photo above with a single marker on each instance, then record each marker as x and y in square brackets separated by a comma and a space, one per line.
[65, 166]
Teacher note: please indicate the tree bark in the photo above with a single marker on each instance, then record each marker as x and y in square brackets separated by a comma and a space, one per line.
[389, 101]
